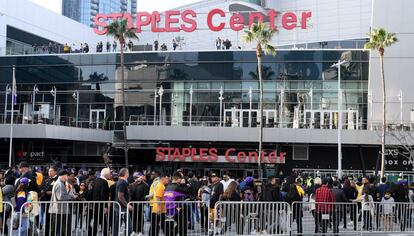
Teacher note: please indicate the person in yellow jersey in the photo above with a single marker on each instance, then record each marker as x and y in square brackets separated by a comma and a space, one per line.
[158, 207]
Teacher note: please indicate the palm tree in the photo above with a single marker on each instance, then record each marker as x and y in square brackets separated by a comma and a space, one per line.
[260, 34]
[97, 78]
[379, 39]
[120, 31]
[267, 73]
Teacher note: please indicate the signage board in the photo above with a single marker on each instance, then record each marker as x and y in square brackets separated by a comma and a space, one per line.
[216, 20]
[211, 155]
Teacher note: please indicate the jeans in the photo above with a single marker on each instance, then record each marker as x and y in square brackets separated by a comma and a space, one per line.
[22, 230]
[115, 227]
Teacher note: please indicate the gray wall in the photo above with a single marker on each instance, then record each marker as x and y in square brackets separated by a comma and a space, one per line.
[395, 16]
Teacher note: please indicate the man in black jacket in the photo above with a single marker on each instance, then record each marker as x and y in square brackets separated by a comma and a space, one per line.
[100, 192]
[46, 194]
[271, 191]
[339, 209]
[139, 189]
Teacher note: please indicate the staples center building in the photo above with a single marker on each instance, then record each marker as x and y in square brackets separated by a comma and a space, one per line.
[196, 107]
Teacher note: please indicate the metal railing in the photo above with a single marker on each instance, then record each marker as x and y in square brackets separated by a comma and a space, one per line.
[171, 218]
[387, 217]
[247, 218]
[69, 218]
[336, 218]
[196, 218]
[7, 216]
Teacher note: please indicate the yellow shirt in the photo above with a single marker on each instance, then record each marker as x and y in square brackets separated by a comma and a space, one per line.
[39, 178]
[159, 193]
[359, 189]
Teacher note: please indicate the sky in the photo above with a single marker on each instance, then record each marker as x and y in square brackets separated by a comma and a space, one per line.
[143, 5]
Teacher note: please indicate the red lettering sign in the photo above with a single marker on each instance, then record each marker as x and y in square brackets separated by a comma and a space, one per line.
[176, 21]
[231, 155]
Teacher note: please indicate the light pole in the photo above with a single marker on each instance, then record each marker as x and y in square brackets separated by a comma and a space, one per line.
[155, 106]
[282, 94]
[160, 93]
[191, 103]
[311, 107]
[221, 92]
[400, 98]
[338, 65]
[53, 92]
[370, 107]
[35, 91]
[75, 96]
[8, 91]
[14, 99]
[250, 106]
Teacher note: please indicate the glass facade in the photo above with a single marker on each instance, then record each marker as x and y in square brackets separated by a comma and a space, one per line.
[217, 88]
[84, 11]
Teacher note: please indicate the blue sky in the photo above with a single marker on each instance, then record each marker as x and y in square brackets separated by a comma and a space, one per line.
[143, 5]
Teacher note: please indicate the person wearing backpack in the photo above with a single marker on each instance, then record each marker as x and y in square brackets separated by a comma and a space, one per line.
[295, 194]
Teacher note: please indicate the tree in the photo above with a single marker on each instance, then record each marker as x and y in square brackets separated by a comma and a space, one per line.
[120, 31]
[97, 78]
[260, 34]
[267, 73]
[379, 39]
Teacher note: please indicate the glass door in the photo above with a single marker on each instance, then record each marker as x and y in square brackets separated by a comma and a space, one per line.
[97, 118]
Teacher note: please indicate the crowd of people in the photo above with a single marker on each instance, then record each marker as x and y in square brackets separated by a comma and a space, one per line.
[54, 47]
[165, 195]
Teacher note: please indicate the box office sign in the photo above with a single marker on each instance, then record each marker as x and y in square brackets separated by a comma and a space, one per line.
[231, 155]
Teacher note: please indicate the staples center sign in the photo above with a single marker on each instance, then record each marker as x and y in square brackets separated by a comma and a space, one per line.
[231, 155]
[176, 21]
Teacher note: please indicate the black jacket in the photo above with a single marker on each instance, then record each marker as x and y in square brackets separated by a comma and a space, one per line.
[271, 193]
[100, 190]
[139, 191]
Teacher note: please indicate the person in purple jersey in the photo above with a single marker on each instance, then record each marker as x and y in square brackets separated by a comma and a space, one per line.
[177, 215]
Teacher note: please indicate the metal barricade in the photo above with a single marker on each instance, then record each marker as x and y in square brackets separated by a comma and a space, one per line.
[167, 218]
[247, 218]
[67, 218]
[336, 218]
[6, 218]
[391, 217]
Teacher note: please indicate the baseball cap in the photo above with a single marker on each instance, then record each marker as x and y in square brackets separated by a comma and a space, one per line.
[24, 180]
[213, 175]
[138, 174]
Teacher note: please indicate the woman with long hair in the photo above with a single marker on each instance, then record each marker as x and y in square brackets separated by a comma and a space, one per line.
[230, 212]
[351, 194]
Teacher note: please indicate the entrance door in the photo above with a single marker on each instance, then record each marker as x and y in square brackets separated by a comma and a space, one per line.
[96, 118]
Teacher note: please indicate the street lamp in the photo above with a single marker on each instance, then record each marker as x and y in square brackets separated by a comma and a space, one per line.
[400, 98]
[160, 93]
[338, 65]
[75, 96]
[221, 92]
[250, 106]
[311, 107]
[8, 91]
[282, 95]
[155, 106]
[370, 107]
[35, 91]
[191, 103]
[53, 92]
